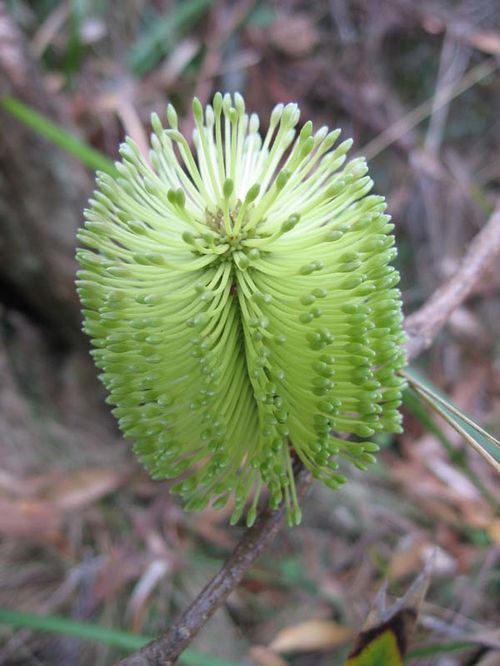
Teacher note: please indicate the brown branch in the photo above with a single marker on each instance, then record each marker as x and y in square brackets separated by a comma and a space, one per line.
[167, 648]
[422, 327]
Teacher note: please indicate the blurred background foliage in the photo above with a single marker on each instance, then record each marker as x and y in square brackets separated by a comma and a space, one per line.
[86, 535]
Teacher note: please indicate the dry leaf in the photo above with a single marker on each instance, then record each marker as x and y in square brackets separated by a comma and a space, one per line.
[118, 569]
[83, 487]
[407, 559]
[175, 64]
[149, 579]
[294, 35]
[311, 635]
[494, 531]
[262, 656]
[29, 519]
[412, 556]
[487, 41]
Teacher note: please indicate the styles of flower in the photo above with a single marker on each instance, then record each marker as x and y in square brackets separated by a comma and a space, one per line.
[242, 305]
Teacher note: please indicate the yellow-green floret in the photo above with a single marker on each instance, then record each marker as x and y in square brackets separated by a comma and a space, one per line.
[242, 305]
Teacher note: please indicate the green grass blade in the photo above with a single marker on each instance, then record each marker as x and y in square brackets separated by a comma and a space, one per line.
[414, 403]
[482, 442]
[162, 35]
[426, 385]
[92, 158]
[85, 630]
[440, 648]
[98, 634]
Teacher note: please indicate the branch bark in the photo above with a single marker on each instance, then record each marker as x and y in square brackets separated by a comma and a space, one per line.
[422, 327]
[166, 649]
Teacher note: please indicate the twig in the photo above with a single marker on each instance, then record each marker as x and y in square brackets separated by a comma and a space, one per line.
[421, 112]
[166, 649]
[50, 27]
[452, 64]
[422, 327]
[130, 120]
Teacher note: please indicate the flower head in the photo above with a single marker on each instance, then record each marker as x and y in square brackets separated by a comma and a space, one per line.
[242, 305]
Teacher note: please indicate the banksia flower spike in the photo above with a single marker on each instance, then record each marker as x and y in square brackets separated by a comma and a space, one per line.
[242, 305]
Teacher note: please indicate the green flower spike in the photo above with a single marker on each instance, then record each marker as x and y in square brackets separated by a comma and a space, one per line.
[241, 305]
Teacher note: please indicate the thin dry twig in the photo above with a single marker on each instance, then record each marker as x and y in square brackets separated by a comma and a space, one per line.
[131, 122]
[422, 327]
[442, 98]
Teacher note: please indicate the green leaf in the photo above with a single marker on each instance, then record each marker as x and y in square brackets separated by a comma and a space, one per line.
[414, 403]
[483, 442]
[92, 158]
[94, 632]
[384, 639]
[380, 650]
